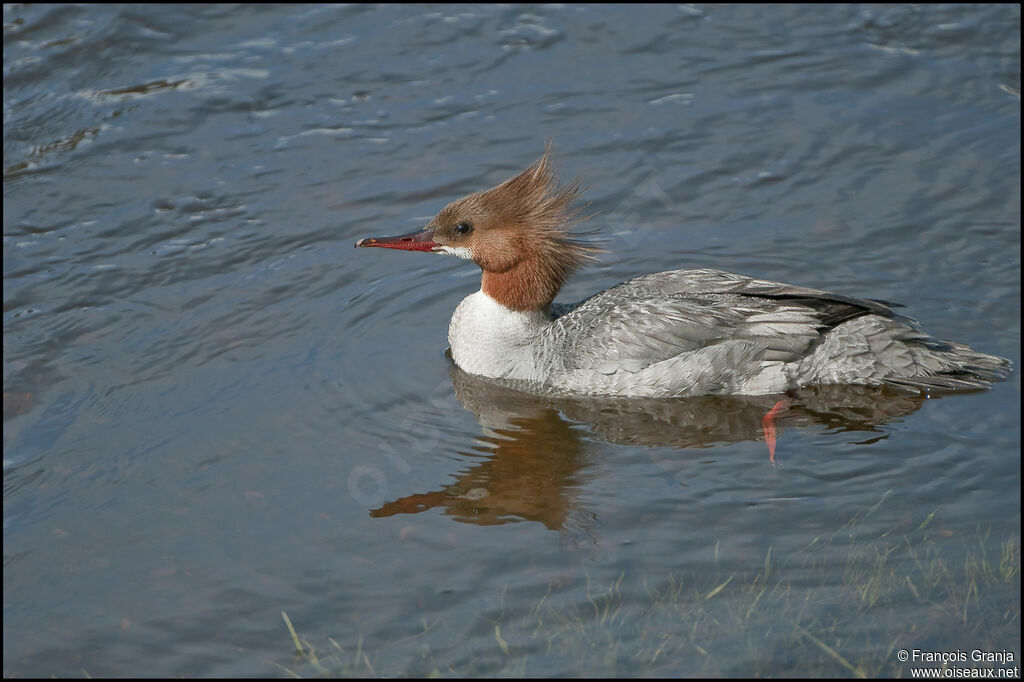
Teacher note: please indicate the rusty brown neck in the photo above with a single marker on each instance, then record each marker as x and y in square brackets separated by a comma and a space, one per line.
[529, 285]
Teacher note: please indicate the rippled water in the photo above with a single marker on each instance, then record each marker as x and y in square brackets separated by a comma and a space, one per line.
[216, 410]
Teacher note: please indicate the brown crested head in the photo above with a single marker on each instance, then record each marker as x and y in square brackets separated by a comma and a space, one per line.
[517, 233]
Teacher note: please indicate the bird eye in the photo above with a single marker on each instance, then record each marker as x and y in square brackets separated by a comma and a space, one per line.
[463, 228]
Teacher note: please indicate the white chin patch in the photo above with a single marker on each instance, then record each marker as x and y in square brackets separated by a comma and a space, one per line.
[459, 251]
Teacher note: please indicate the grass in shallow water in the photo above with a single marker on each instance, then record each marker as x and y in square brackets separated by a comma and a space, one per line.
[791, 616]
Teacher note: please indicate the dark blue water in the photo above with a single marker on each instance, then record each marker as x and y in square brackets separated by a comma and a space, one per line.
[216, 410]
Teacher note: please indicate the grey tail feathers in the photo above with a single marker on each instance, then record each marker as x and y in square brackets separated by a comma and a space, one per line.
[963, 369]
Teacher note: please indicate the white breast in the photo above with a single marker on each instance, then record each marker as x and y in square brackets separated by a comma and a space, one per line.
[494, 341]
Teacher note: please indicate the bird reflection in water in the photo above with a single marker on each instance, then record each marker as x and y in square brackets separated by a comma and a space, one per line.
[534, 454]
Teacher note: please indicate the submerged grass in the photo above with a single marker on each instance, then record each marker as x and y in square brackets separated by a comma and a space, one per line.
[811, 614]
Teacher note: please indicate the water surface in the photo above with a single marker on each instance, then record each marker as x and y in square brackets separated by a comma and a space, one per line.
[216, 410]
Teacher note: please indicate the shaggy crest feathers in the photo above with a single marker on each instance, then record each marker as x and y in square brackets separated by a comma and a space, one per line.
[540, 213]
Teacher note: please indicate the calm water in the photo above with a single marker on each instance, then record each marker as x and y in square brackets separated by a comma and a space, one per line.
[216, 410]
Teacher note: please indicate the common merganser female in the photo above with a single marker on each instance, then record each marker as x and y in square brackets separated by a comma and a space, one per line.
[669, 334]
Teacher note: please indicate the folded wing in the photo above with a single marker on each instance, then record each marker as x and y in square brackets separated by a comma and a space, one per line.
[656, 317]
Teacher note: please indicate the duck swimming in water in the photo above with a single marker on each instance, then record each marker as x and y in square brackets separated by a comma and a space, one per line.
[668, 334]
